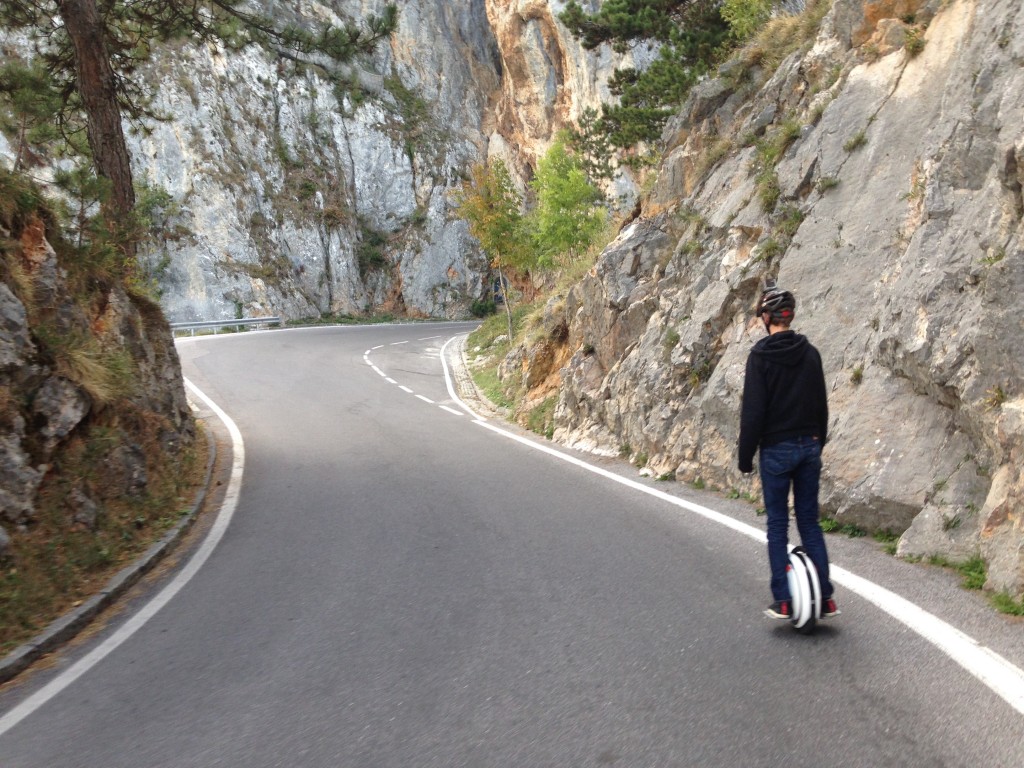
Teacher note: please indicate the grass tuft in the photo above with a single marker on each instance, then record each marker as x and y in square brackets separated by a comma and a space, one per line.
[856, 141]
[541, 419]
[973, 571]
[831, 525]
[1004, 602]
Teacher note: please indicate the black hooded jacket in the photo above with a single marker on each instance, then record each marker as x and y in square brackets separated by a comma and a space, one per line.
[783, 395]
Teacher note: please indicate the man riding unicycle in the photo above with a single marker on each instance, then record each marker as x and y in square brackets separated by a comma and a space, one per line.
[784, 416]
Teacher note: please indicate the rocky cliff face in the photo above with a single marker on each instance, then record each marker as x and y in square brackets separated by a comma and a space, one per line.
[547, 81]
[877, 173]
[91, 396]
[297, 196]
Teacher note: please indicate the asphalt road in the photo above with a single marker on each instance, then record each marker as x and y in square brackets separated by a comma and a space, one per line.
[401, 586]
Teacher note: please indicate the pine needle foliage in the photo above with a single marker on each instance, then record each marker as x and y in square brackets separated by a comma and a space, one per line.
[131, 29]
[689, 34]
[28, 105]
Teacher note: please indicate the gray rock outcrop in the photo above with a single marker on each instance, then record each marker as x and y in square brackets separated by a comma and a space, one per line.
[57, 394]
[894, 212]
[295, 195]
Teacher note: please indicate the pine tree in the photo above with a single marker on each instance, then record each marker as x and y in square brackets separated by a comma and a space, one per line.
[592, 148]
[745, 17]
[30, 105]
[689, 32]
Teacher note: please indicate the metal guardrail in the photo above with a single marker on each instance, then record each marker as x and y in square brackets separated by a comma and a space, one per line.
[215, 325]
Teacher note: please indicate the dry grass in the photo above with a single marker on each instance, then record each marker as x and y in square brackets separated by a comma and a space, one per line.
[709, 158]
[17, 277]
[55, 566]
[783, 35]
[107, 375]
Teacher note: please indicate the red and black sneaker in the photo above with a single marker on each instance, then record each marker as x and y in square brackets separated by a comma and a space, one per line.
[828, 608]
[780, 609]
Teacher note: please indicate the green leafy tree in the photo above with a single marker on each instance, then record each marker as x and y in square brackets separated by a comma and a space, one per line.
[689, 33]
[92, 48]
[569, 214]
[745, 17]
[489, 202]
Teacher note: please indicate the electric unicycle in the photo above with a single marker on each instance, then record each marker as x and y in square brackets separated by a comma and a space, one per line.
[804, 591]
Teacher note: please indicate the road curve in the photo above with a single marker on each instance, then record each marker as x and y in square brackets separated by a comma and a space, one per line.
[401, 586]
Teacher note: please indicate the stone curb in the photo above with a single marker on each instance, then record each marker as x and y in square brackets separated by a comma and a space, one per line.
[466, 385]
[64, 628]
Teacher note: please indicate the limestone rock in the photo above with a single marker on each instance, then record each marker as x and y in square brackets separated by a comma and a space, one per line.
[84, 511]
[15, 342]
[47, 415]
[59, 407]
[294, 197]
[899, 228]
[19, 480]
[123, 472]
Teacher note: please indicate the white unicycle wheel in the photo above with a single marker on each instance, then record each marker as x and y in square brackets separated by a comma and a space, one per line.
[804, 590]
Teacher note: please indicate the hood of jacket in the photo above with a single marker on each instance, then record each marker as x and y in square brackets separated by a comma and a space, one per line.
[785, 348]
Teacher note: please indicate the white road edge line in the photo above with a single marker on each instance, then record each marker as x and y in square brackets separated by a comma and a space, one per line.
[130, 627]
[999, 674]
[451, 385]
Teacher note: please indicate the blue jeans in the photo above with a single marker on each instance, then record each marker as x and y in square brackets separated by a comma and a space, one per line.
[793, 463]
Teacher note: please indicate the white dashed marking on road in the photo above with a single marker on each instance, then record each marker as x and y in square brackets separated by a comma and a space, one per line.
[432, 352]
